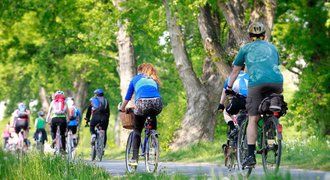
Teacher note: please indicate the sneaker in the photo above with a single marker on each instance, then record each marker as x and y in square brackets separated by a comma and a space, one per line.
[93, 139]
[133, 162]
[249, 161]
[232, 133]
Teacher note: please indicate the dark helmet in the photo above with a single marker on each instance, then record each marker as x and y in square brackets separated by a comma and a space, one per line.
[99, 92]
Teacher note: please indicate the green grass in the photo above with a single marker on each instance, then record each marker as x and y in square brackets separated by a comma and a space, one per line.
[34, 166]
[312, 153]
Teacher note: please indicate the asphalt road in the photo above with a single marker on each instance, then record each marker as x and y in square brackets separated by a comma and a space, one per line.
[117, 168]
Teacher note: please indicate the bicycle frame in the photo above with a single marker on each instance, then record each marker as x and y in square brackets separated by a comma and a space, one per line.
[148, 131]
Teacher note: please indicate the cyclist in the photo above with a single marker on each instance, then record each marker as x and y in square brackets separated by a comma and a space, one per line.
[6, 135]
[58, 113]
[262, 61]
[100, 112]
[145, 86]
[40, 124]
[74, 118]
[236, 103]
[21, 118]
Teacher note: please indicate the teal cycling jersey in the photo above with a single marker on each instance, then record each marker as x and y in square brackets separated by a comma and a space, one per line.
[262, 60]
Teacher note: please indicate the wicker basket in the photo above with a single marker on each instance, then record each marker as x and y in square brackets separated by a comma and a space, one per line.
[127, 120]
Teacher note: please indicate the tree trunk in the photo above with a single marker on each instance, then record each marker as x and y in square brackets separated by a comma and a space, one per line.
[44, 99]
[234, 20]
[211, 42]
[196, 124]
[126, 70]
[81, 93]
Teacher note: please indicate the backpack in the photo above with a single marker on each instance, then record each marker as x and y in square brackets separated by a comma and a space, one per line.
[22, 115]
[73, 113]
[59, 104]
[98, 105]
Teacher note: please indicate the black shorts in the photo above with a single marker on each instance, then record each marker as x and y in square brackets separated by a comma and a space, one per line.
[235, 105]
[257, 93]
[21, 125]
[73, 129]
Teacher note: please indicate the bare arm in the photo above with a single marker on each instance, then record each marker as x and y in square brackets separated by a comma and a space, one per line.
[123, 106]
[223, 97]
[233, 75]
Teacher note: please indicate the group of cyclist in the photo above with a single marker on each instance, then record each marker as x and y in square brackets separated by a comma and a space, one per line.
[255, 75]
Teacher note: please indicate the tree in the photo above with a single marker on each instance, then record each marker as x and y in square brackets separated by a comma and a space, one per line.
[127, 65]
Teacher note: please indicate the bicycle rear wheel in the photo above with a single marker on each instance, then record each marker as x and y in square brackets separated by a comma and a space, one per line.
[152, 153]
[271, 146]
[70, 147]
[129, 154]
[242, 149]
[100, 145]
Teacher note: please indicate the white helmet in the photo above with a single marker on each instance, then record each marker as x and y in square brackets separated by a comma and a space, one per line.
[256, 28]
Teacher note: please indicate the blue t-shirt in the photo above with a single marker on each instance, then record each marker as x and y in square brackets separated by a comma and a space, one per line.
[76, 121]
[262, 60]
[143, 87]
[240, 85]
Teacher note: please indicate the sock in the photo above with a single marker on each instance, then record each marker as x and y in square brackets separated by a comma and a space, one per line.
[231, 125]
[251, 149]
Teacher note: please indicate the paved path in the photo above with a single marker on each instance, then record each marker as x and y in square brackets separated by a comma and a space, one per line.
[117, 168]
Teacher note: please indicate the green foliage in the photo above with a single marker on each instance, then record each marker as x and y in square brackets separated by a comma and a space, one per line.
[302, 34]
[310, 105]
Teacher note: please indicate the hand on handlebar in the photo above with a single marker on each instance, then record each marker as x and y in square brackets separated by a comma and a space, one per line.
[221, 107]
[87, 122]
[229, 91]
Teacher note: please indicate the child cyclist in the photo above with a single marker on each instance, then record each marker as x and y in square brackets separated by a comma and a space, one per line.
[74, 118]
[40, 123]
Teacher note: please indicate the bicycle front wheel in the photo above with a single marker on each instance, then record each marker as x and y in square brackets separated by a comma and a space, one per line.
[242, 149]
[152, 153]
[271, 146]
[129, 154]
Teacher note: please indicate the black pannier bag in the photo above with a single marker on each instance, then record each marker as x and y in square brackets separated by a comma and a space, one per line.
[273, 103]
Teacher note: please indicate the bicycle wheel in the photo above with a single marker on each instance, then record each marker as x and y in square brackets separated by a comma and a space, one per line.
[69, 146]
[93, 151]
[271, 146]
[100, 145]
[152, 153]
[58, 142]
[129, 154]
[242, 149]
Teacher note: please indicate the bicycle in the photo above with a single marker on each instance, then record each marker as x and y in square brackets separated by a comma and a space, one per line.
[230, 148]
[98, 147]
[58, 142]
[70, 148]
[269, 139]
[22, 146]
[40, 142]
[149, 149]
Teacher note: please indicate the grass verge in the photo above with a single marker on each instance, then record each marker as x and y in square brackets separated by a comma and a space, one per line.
[35, 166]
[312, 153]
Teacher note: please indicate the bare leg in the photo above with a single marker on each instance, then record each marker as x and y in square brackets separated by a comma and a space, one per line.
[252, 130]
